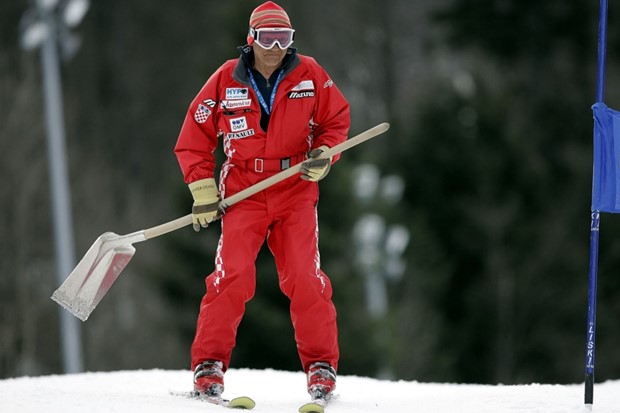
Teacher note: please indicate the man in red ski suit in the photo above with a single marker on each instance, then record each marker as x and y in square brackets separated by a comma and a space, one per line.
[272, 108]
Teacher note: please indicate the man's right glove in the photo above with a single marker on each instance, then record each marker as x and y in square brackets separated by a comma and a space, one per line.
[315, 169]
[206, 202]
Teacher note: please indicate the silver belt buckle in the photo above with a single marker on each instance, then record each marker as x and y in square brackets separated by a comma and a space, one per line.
[285, 163]
[258, 165]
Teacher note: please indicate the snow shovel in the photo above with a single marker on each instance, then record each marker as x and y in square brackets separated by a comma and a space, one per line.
[107, 257]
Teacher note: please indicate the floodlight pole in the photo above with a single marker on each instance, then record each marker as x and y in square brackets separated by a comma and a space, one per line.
[59, 187]
[595, 224]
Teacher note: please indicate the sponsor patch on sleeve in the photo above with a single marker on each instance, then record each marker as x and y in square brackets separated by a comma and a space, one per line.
[209, 102]
[202, 113]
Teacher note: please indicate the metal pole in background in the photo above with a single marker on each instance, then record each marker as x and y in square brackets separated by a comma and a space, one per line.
[595, 224]
[59, 186]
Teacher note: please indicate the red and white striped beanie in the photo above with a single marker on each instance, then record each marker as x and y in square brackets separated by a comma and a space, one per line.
[268, 14]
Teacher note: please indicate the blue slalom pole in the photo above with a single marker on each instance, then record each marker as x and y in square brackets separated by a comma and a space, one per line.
[595, 222]
[602, 52]
[591, 327]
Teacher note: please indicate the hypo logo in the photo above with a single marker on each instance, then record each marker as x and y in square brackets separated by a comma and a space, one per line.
[236, 93]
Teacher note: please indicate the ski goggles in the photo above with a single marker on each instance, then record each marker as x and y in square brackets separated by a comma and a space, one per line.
[268, 37]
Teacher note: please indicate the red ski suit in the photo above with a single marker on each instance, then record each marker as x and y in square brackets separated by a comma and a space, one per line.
[308, 111]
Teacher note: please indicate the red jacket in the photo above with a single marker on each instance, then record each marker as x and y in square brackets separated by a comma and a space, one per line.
[308, 111]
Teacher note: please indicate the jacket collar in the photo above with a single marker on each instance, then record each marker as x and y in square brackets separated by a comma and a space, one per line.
[246, 60]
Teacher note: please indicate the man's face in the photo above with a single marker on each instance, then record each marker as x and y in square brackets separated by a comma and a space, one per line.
[268, 57]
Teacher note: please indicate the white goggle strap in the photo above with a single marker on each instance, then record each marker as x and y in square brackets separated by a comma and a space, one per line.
[251, 35]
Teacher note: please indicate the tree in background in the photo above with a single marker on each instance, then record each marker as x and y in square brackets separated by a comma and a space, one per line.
[501, 160]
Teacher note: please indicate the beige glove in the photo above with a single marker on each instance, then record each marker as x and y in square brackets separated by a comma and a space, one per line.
[206, 202]
[315, 169]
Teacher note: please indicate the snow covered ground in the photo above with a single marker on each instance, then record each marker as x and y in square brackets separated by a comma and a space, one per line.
[151, 391]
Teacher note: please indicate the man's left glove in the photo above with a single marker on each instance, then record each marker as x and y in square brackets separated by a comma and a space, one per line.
[315, 169]
[206, 202]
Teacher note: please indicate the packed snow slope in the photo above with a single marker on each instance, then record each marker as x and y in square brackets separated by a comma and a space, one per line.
[153, 391]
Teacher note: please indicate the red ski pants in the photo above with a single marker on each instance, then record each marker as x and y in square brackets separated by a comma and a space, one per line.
[292, 236]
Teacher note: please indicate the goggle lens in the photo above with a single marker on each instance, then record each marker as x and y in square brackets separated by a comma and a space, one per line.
[267, 38]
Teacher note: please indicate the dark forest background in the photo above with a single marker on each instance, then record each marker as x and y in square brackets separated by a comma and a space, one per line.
[491, 134]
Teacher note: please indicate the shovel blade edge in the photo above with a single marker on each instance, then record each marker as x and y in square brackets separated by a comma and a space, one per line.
[92, 277]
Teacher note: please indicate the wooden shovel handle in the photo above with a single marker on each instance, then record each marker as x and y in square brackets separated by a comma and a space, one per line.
[266, 183]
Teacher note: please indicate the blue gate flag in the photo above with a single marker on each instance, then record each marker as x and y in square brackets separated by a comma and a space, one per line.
[606, 165]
